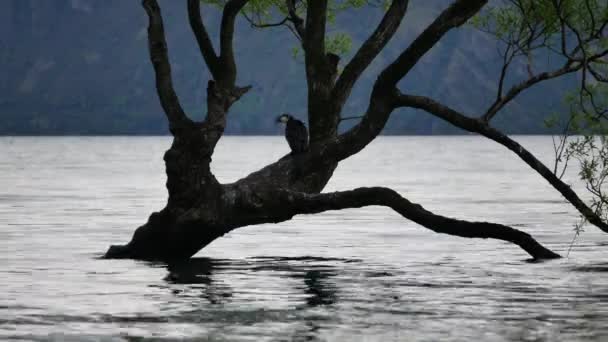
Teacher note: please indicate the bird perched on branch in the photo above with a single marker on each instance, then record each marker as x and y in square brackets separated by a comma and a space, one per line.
[295, 133]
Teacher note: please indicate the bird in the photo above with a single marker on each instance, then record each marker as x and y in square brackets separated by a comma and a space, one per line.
[295, 133]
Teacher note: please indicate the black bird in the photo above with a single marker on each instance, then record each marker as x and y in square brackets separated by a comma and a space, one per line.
[295, 133]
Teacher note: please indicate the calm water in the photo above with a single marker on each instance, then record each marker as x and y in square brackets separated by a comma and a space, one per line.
[356, 275]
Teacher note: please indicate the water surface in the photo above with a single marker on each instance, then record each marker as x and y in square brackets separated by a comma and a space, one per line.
[355, 275]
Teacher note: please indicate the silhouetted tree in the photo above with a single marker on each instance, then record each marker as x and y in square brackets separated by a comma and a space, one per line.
[200, 209]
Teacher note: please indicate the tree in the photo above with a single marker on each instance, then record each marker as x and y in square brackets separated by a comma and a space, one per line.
[200, 209]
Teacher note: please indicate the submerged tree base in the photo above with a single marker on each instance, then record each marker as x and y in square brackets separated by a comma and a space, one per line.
[166, 240]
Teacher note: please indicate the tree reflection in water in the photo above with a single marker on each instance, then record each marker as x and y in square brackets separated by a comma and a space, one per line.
[203, 272]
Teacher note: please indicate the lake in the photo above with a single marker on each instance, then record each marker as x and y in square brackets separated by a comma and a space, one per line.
[355, 275]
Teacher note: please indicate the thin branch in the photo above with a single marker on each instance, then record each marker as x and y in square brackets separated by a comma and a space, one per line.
[351, 118]
[160, 60]
[597, 75]
[507, 60]
[518, 88]
[369, 50]
[202, 37]
[559, 150]
[571, 66]
[268, 25]
[228, 64]
[295, 33]
[591, 13]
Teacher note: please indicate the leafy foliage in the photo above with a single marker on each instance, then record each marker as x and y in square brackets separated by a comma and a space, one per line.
[585, 140]
[273, 13]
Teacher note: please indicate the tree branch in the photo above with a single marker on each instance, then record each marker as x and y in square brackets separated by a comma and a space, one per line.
[221, 92]
[227, 61]
[571, 66]
[518, 88]
[536, 36]
[314, 40]
[455, 15]
[202, 37]
[479, 126]
[368, 51]
[321, 72]
[162, 68]
[219, 100]
[298, 23]
[303, 203]
[259, 25]
[384, 91]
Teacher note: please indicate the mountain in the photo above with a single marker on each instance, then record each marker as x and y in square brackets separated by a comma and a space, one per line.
[81, 67]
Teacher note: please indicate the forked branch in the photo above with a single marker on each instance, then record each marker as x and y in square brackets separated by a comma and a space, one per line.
[458, 13]
[583, 27]
[221, 92]
[383, 93]
[222, 66]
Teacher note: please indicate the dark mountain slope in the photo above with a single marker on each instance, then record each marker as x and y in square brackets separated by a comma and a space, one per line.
[81, 67]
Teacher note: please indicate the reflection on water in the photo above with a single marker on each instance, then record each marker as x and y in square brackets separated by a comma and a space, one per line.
[362, 274]
[316, 288]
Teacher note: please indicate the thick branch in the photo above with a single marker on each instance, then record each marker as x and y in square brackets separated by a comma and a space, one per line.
[321, 72]
[479, 126]
[228, 64]
[302, 203]
[369, 51]
[314, 40]
[202, 37]
[457, 14]
[160, 61]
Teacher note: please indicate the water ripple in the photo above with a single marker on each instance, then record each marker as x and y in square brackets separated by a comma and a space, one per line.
[362, 274]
